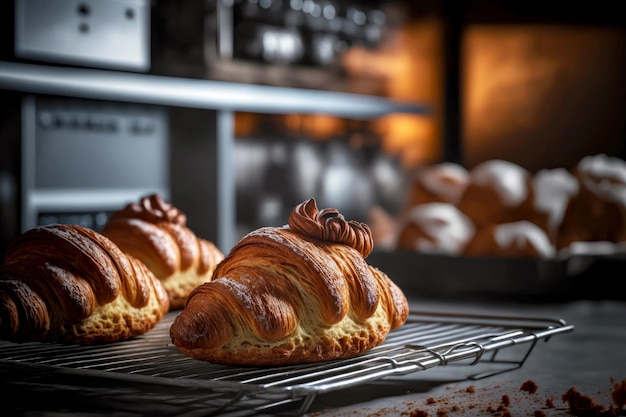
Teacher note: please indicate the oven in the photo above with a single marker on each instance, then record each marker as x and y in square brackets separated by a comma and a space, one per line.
[77, 161]
[81, 160]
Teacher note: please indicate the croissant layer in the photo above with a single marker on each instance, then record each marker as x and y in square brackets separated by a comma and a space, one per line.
[292, 294]
[69, 284]
[155, 232]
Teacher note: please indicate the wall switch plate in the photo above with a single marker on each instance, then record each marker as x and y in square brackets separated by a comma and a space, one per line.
[112, 34]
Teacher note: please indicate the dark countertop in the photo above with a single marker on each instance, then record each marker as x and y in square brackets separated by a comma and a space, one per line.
[591, 358]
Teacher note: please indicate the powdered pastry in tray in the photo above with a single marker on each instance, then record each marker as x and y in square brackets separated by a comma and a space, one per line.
[69, 284]
[498, 192]
[598, 211]
[521, 239]
[443, 182]
[298, 293]
[383, 227]
[437, 228]
[553, 189]
[155, 232]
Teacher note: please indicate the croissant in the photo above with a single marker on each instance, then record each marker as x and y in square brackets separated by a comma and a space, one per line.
[69, 284]
[298, 293]
[155, 232]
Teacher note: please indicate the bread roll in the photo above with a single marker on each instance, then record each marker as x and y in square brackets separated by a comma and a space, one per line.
[383, 227]
[598, 211]
[68, 284]
[521, 239]
[443, 182]
[498, 191]
[298, 293]
[553, 189]
[155, 232]
[437, 228]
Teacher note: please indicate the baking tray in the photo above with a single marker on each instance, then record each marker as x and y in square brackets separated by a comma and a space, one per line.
[149, 372]
[586, 272]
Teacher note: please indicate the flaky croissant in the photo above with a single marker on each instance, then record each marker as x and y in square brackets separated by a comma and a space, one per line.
[69, 284]
[155, 232]
[293, 294]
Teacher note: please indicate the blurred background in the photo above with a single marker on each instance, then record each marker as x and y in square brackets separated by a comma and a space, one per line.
[539, 84]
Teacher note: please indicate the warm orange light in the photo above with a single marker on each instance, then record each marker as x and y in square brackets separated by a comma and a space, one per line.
[542, 95]
[409, 137]
[411, 64]
[320, 127]
[245, 124]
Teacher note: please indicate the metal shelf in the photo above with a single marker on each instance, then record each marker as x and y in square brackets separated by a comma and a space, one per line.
[223, 97]
[193, 93]
[150, 371]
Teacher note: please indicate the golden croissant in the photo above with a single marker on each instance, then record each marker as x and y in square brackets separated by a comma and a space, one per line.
[69, 284]
[155, 232]
[298, 293]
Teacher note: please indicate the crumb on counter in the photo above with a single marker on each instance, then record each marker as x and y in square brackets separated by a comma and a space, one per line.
[529, 386]
[501, 401]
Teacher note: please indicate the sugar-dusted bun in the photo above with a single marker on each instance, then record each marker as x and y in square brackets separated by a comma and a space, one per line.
[598, 212]
[383, 227]
[498, 192]
[68, 284]
[604, 175]
[155, 232]
[438, 228]
[553, 189]
[298, 293]
[521, 239]
[443, 182]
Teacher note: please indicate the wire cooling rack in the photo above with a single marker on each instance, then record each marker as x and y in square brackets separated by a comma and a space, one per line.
[149, 374]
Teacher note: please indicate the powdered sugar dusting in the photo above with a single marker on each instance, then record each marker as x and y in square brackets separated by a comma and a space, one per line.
[554, 188]
[67, 234]
[447, 227]
[369, 283]
[604, 166]
[518, 234]
[446, 179]
[327, 271]
[509, 180]
[264, 308]
[158, 238]
[605, 176]
[240, 288]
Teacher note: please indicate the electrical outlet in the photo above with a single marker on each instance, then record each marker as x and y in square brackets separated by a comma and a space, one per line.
[111, 34]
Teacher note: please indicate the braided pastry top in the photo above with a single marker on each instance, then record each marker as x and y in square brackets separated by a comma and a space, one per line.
[155, 232]
[330, 225]
[297, 293]
[70, 284]
[152, 209]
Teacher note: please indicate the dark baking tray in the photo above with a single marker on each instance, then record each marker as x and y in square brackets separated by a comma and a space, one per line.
[569, 276]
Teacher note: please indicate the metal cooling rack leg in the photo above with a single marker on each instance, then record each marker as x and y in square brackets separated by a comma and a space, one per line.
[516, 364]
[307, 402]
